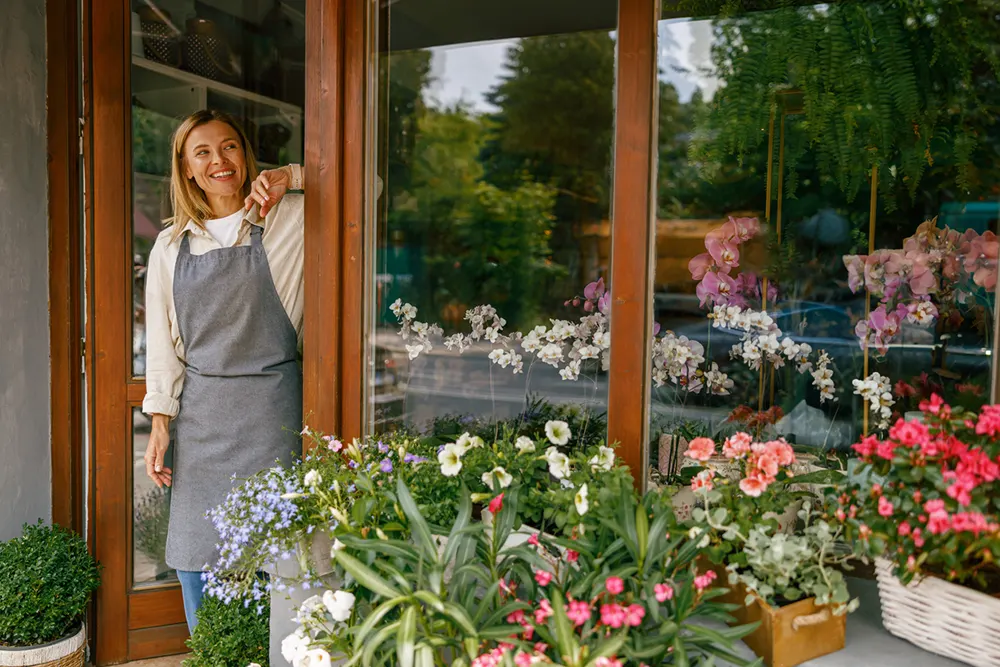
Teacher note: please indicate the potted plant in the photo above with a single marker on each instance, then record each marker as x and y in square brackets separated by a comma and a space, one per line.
[930, 514]
[46, 579]
[776, 552]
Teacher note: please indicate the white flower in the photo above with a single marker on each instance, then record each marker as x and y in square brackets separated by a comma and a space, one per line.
[408, 311]
[500, 357]
[414, 351]
[531, 342]
[524, 445]
[602, 339]
[337, 546]
[557, 432]
[571, 371]
[309, 607]
[566, 483]
[581, 500]
[396, 307]
[551, 354]
[500, 474]
[420, 328]
[558, 463]
[339, 604]
[467, 442]
[450, 459]
[605, 459]
[294, 646]
[590, 352]
[313, 479]
[316, 657]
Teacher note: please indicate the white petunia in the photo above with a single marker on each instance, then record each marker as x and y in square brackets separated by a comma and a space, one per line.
[337, 546]
[582, 505]
[316, 657]
[558, 463]
[313, 479]
[294, 646]
[557, 432]
[605, 459]
[466, 442]
[309, 607]
[450, 459]
[524, 444]
[499, 474]
[339, 604]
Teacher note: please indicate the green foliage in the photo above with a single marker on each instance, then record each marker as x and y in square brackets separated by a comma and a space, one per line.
[46, 578]
[229, 635]
[890, 84]
[152, 516]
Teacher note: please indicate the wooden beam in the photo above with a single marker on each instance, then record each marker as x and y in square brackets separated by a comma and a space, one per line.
[632, 232]
[151, 609]
[65, 286]
[323, 315]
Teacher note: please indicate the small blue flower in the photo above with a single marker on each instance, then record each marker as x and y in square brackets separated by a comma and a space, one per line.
[386, 466]
[352, 464]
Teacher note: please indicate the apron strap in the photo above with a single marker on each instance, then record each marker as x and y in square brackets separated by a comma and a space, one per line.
[185, 245]
[256, 234]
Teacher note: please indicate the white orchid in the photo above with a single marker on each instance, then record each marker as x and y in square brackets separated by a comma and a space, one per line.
[498, 474]
[450, 459]
[580, 500]
[524, 445]
[604, 459]
[339, 604]
[557, 432]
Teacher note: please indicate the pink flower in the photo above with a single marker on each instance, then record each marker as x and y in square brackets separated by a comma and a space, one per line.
[614, 585]
[541, 647]
[918, 538]
[703, 480]
[768, 466]
[989, 421]
[864, 532]
[736, 445]
[884, 450]
[523, 659]
[904, 529]
[663, 592]
[594, 290]
[543, 612]
[855, 271]
[700, 265]
[703, 581]
[715, 288]
[876, 489]
[922, 279]
[496, 504]
[885, 508]
[701, 449]
[782, 451]
[753, 485]
[934, 405]
[612, 615]
[516, 616]
[741, 229]
[634, 614]
[607, 662]
[533, 540]
[578, 612]
[572, 556]
[841, 514]
[910, 433]
[867, 446]
[335, 445]
[543, 577]
[724, 251]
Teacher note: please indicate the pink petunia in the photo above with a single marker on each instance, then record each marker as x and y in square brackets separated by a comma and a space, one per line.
[701, 449]
[663, 592]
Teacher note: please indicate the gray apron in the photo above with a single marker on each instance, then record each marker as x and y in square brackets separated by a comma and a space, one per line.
[241, 407]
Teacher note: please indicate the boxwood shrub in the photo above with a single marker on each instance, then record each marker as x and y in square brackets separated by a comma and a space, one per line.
[230, 635]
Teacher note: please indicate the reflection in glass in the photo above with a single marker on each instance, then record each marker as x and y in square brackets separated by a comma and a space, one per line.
[493, 227]
[243, 57]
[150, 513]
[827, 210]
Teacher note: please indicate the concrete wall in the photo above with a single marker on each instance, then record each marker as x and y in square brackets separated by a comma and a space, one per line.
[25, 471]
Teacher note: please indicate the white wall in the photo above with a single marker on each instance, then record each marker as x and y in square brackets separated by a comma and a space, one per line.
[25, 469]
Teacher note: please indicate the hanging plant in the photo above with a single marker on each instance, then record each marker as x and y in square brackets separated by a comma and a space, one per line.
[901, 85]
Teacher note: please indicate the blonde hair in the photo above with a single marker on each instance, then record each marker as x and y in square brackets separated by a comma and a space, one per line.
[187, 199]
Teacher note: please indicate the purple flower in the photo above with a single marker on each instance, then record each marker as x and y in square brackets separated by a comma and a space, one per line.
[352, 464]
[386, 466]
[413, 458]
[382, 447]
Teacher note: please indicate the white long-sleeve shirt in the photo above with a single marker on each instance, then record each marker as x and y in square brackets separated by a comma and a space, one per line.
[283, 244]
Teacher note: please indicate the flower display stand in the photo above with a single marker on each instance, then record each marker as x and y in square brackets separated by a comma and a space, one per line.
[941, 617]
[790, 635]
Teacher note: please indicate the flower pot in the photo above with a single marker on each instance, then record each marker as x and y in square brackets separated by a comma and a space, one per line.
[791, 634]
[941, 617]
[66, 652]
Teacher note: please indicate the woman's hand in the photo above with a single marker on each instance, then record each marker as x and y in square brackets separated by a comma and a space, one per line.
[159, 441]
[268, 189]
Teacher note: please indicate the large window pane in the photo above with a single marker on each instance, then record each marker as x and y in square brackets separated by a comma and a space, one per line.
[495, 157]
[827, 210]
[150, 513]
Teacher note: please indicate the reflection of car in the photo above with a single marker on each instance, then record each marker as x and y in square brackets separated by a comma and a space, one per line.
[830, 327]
[387, 387]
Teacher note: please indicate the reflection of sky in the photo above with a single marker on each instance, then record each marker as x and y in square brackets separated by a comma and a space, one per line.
[466, 73]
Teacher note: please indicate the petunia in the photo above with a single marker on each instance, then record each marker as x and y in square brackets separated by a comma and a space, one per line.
[580, 500]
[451, 460]
[557, 432]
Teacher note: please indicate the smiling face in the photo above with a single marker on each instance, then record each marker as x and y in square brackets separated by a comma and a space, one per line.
[213, 156]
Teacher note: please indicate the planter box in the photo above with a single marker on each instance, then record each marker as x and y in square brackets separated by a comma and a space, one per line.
[65, 652]
[789, 635]
[941, 617]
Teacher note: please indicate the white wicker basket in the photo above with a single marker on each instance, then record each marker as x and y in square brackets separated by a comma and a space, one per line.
[941, 617]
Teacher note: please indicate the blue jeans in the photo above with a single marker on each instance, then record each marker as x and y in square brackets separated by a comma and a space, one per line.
[192, 590]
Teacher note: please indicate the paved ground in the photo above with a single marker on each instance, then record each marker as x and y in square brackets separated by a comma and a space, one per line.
[170, 661]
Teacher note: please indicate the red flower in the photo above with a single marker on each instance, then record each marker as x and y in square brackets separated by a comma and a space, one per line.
[543, 577]
[496, 504]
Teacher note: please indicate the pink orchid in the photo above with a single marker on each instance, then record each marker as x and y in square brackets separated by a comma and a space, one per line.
[855, 271]
[725, 251]
[922, 279]
[742, 229]
[700, 265]
[594, 290]
[716, 288]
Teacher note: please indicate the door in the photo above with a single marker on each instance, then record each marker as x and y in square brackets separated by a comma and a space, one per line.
[149, 63]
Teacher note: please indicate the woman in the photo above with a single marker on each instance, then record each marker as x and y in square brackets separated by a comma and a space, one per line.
[224, 294]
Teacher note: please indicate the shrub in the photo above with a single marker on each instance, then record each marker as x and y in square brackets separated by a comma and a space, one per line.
[46, 579]
[229, 635]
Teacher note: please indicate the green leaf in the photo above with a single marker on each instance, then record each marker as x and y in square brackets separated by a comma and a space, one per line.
[460, 617]
[431, 600]
[606, 649]
[425, 656]
[364, 575]
[418, 526]
[394, 548]
[457, 529]
[405, 647]
[641, 532]
[363, 633]
[680, 652]
[564, 630]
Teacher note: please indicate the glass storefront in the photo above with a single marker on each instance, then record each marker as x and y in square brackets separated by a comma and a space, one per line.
[494, 143]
